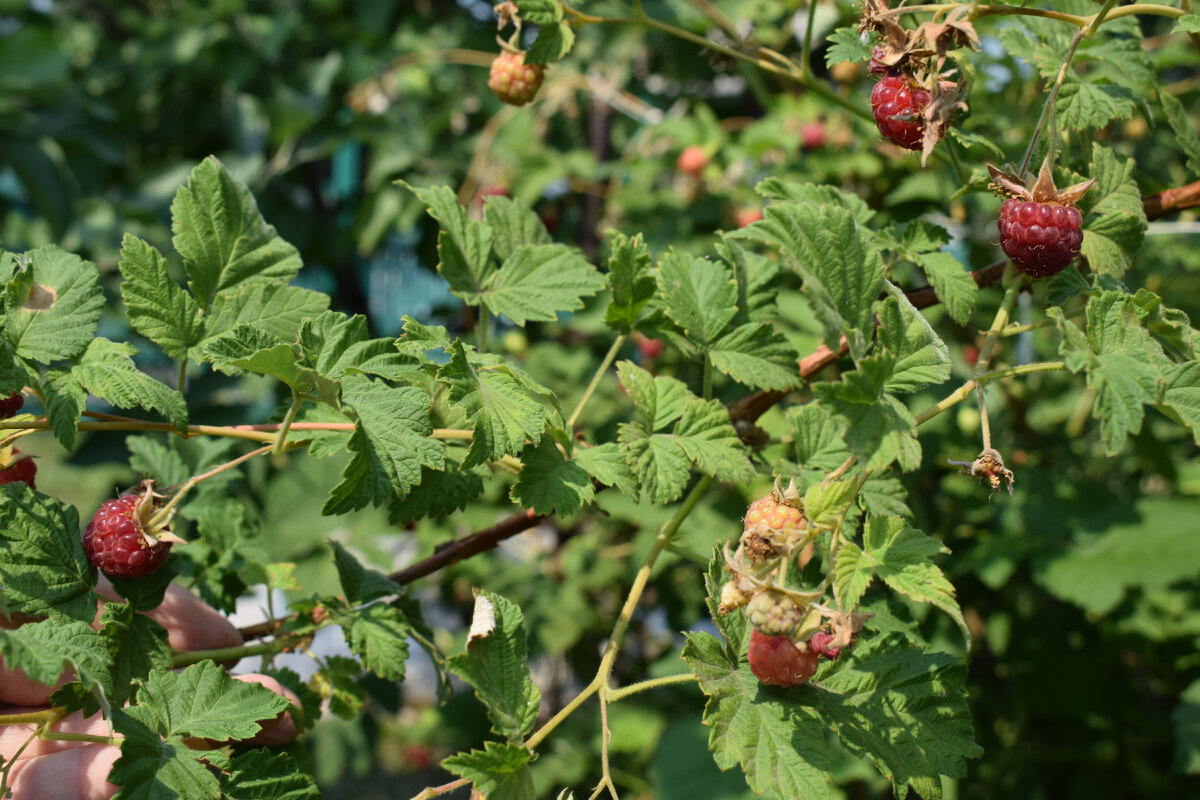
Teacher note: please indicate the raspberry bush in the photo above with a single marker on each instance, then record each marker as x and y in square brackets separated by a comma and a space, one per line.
[671, 436]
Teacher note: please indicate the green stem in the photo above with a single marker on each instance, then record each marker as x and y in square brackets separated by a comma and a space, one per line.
[708, 379]
[1081, 413]
[188, 657]
[964, 391]
[183, 365]
[633, 688]
[281, 440]
[54, 736]
[163, 514]
[1084, 33]
[806, 48]
[635, 594]
[609, 357]
[437, 791]
[49, 715]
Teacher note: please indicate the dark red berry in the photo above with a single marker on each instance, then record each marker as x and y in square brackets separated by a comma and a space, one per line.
[116, 540]
[9, 406]
[19, 470]
[877, 67]
[820, 644]
[774, 660]
[1040, 238]
[899, 109]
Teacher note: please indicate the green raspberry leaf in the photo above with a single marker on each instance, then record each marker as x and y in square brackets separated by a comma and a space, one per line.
[440, 492]
[514, 224]
[494, 665]
[43, 567]
[660, 400]
[659, 463]
[922, 358]
[900, 555]
[1115, 222]
[390, 445]
[42, 650]
[699, 295]
[107, 370]
[464, 245]
[605, 463]
[158, 307]
[842, 272]
[499, 771]
[952, 284]
[137, 644]
[498, 404]
[265, 304]
[631, 281]
[537, 281]
[846, 44]
[267, 775]
[757, 355]
[360, 584]
[553, 43]
[706, 434]
[879, 428]
[549, 483]
[222, 236]
[52, 305]
[377, 634]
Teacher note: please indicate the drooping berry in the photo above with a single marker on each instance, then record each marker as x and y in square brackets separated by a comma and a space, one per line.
[692, 160]
[17, 470]
[514, 81]
[117, 540]
[10, 405]
[820, 643]
[774, 660]
[1039, 227]
[899, 109]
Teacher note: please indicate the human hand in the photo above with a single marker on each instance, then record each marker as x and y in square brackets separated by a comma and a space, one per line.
[70, 770]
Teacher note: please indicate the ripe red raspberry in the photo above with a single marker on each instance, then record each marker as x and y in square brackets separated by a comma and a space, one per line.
[819, 643]
[18, 470]
[692, 160]
[1039, 226]
[899, 109]
[514, 81]
[9, 406]
[116, 540]
[1040, 238]
[774, 660]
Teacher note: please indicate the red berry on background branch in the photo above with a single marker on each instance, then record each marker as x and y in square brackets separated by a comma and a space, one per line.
[10, 405]
[774, 660]
[1039, 227]
[15, 468]
[514, 81]
[121, 541]
[692, 160]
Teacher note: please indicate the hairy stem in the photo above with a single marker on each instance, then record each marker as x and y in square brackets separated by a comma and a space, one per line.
[641, 686]
[609, 357]
[281, 439]
[188, 657]
[964, 391]
[163, 514]
[445, 788]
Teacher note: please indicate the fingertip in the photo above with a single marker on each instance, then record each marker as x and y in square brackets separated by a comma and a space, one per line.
[81, 772]
[94, 769]
[281, 729]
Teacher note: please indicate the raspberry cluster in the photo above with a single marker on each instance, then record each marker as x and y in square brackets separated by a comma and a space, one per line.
[514, 81]
[10, 405]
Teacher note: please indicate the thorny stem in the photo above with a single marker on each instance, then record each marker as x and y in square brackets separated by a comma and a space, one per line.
[1084, 33]
[600, 372]
[165, 513]
[605, 737]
